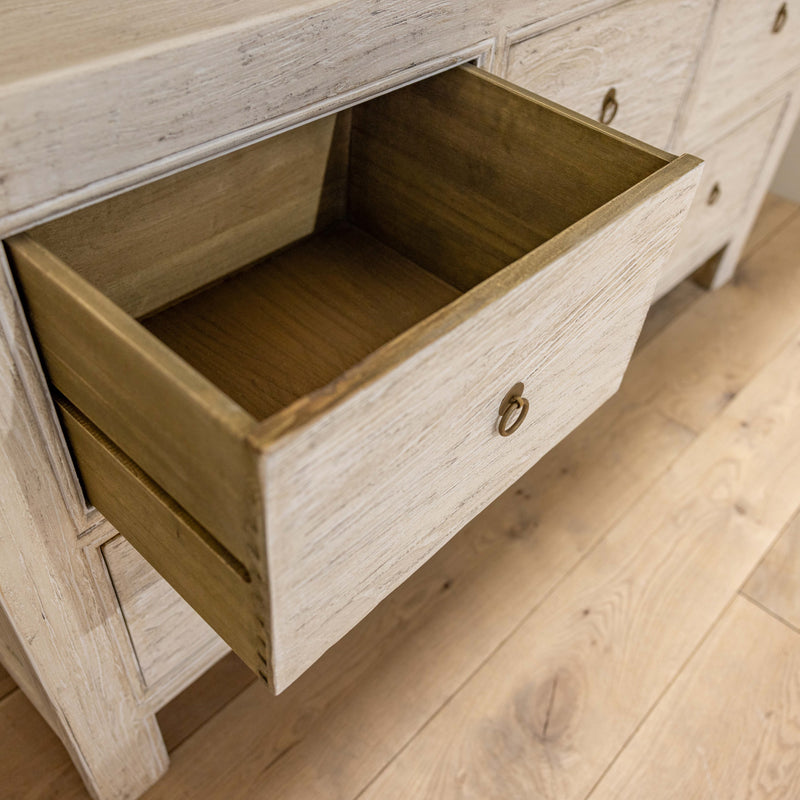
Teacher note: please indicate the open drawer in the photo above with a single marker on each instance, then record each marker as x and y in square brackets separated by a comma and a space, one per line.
[284, 373]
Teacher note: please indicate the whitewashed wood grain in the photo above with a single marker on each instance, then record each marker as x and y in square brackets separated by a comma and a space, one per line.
[166, 634]
[567, 332]
[645, 49]
[733, 163]
[53, 621]
[741, 59]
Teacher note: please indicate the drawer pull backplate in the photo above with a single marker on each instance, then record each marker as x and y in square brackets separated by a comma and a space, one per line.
[780, 19]
[610, 107]
[513, 402]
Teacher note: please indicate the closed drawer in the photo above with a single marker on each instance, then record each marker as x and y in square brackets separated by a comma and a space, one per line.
[732, 167]
[752, 44]
[629, 65]
[287, 445]
[170, 640]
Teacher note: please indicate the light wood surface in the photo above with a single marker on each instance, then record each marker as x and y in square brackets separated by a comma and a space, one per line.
[774, 213]
[524, 544]
[140, 111]
[789, 89]
[410, 187]
[53, 620]
[567, 331]
[775, 584]
[645, 49]
[164, 631]
[187, 556]
[96, 100]
[594, 657]
[151, 403]
[743, 56]
[562, 319]
[409, 656]
[150, 247]
[733, 164]
[728, 727]
[295, 322]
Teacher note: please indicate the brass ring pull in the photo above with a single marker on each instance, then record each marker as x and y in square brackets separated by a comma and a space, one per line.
[780, 19]
[610, 107]
[714, 194]
[513, 404]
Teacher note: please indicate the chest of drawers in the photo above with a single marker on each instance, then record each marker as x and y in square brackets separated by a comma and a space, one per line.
[445, 263]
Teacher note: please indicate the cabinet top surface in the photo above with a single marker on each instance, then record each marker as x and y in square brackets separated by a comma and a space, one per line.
[48, 36]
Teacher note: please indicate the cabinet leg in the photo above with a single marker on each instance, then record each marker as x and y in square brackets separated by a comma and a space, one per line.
[55, 637]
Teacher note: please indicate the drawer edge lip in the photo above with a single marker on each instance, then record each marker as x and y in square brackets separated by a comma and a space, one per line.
[268, 433]
[564, 111]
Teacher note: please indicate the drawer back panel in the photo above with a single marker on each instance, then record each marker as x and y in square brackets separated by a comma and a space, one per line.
[149, 247]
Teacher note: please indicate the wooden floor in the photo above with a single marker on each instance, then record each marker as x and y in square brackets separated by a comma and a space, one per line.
[623, 623]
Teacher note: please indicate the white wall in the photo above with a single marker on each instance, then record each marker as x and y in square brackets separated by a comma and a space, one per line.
[787, 178]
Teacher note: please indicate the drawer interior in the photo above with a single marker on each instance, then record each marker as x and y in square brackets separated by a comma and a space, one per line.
[275, 269]
[278, 369]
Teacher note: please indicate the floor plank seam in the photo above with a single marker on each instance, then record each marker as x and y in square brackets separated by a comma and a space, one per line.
[589, 550]
[769, 611]
[764, 240]
[769, 550]
[696, 649]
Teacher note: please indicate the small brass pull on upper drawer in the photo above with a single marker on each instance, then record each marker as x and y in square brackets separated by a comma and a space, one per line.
[780, 19]
[610, 107]
[513, 402]
[714, 194]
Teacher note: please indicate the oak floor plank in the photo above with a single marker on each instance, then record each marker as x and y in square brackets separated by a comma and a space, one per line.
[33, 763]
[729, 727]
[549, 710]
[667, 309]
[775, 584]
[196, 704]
[775, 212]
[716, 346]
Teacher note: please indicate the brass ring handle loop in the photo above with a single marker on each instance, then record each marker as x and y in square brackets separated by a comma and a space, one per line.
[780, 19]
[515, 403]
[714, 194]
[610, 107]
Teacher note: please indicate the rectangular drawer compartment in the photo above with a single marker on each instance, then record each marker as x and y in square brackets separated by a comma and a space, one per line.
[282, 371]
[732, 166]
[753, 43]
[628, 65]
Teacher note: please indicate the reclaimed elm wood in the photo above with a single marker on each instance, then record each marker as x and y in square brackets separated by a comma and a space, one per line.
[166, 634]
[733, 164]
[741, 58]
[295, 577]
[645, 49]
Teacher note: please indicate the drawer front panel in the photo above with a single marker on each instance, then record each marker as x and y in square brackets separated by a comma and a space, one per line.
[744, 56]
[733, 165]
[645, 50]
[169, 638]
[404, 464]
